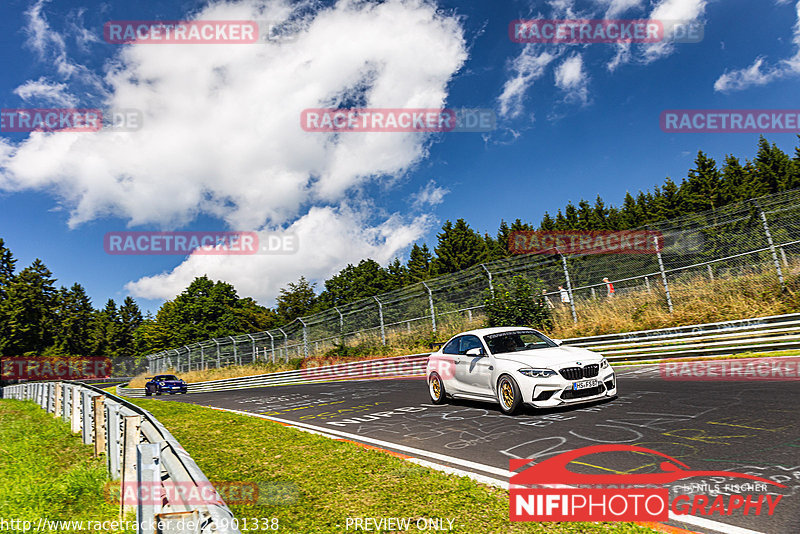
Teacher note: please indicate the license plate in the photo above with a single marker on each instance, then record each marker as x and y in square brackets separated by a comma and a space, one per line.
[584, 385]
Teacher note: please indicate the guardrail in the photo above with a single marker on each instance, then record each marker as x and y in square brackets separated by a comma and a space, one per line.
[140, 452]
[393, 367]
[758, 334]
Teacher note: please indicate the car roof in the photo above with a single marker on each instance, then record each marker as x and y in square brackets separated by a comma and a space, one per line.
[495, 330]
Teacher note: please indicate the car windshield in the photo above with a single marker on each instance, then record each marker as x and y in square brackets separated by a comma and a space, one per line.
[166, 377]
[505, 342]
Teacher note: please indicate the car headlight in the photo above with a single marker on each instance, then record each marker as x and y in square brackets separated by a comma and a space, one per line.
[537, 373]
[603, 363]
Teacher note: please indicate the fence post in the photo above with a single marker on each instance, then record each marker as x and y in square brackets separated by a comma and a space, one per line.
[305, 337]
[710, 272]
[272, 346]
[285, 345]
[130, 442]
[647, 283]
[569, 287]
[57, 407]
[663, 272]
[771, 244]
[341, 323]
[783, 257]
[76, 410]
[99, 428]
[188, 357]
[430, 301]
[235, 354]
[218, 354]
[380, 314]
[148, 478]
[489, 273]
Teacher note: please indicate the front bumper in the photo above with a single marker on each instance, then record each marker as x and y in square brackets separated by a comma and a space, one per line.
[557, 391]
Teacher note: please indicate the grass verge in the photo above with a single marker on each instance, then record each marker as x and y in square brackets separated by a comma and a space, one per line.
[46, 472]
[314, 483]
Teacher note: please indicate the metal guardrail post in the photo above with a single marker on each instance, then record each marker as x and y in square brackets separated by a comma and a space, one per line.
[380, 315]
[57, 394]
[148, 478]
[771, 244]
[66, 410]
[430, 302]
[86, 416]
[663, 273]
[131, 437]
[569, 288]
[76, 410]
[113, 439]
[99, 424]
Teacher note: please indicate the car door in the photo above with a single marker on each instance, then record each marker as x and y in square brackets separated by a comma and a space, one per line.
[473, 372]
[450, 361]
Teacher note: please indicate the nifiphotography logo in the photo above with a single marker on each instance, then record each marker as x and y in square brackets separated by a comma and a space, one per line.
[564, 495]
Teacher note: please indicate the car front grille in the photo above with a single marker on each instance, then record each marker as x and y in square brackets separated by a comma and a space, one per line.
[577, 373]
[581, 393]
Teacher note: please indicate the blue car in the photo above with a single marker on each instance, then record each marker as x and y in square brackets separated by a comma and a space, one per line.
[164, 384]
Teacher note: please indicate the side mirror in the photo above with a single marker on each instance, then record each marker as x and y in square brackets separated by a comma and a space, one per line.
[558, 342]
[475, 352]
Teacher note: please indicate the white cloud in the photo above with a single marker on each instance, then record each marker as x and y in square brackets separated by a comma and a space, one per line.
[328, 239]
[685, 11]
[760, 74]
[221, 135]
[430, 195]
[526, 68]
[47, 92]
[572, 78]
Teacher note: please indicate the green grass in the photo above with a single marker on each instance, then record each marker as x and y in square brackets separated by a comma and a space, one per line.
[47, 472]
[318, 482]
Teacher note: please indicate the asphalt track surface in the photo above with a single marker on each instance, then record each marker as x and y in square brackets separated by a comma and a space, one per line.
[744, 426]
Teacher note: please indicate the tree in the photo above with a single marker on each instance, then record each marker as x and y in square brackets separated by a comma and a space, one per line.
[772, 169]
[296, 300]
[7, 265]
[29, 305]
[419, 263]
[702, 190]
[519, 304]
[398, 274]
[74, 316]
[130, 318]
[356, 282]
[459, 247]
[106, 331]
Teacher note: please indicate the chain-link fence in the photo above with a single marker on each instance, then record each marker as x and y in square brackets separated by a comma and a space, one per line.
[756, 236]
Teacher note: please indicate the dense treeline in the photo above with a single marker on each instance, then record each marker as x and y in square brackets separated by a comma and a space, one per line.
[35, 317]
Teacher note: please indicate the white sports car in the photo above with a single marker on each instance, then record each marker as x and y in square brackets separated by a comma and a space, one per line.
[511, 366]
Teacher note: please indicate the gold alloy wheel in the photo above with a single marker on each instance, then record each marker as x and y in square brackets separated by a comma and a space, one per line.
[436, 387]
[507, 393]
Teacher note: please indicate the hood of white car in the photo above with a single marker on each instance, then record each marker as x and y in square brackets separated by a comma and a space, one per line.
[552, 356]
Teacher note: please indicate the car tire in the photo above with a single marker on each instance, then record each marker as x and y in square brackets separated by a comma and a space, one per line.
[436, 389]
[508, 395]
[147, 391]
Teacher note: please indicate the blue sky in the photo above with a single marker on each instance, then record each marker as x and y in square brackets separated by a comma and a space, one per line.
[220, 147]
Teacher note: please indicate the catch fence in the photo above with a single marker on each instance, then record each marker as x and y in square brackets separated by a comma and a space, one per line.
[760, 236]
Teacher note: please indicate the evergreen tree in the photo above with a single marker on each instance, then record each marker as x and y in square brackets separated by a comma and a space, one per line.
[419, 263]
[459, 247]
[106, 331]
[398, 274]
[74, 315]
[702, 191]
[7, 265]
[29, 304]
[130, 317]
[772, 168]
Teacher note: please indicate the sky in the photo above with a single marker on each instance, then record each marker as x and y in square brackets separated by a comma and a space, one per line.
[220, 144]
